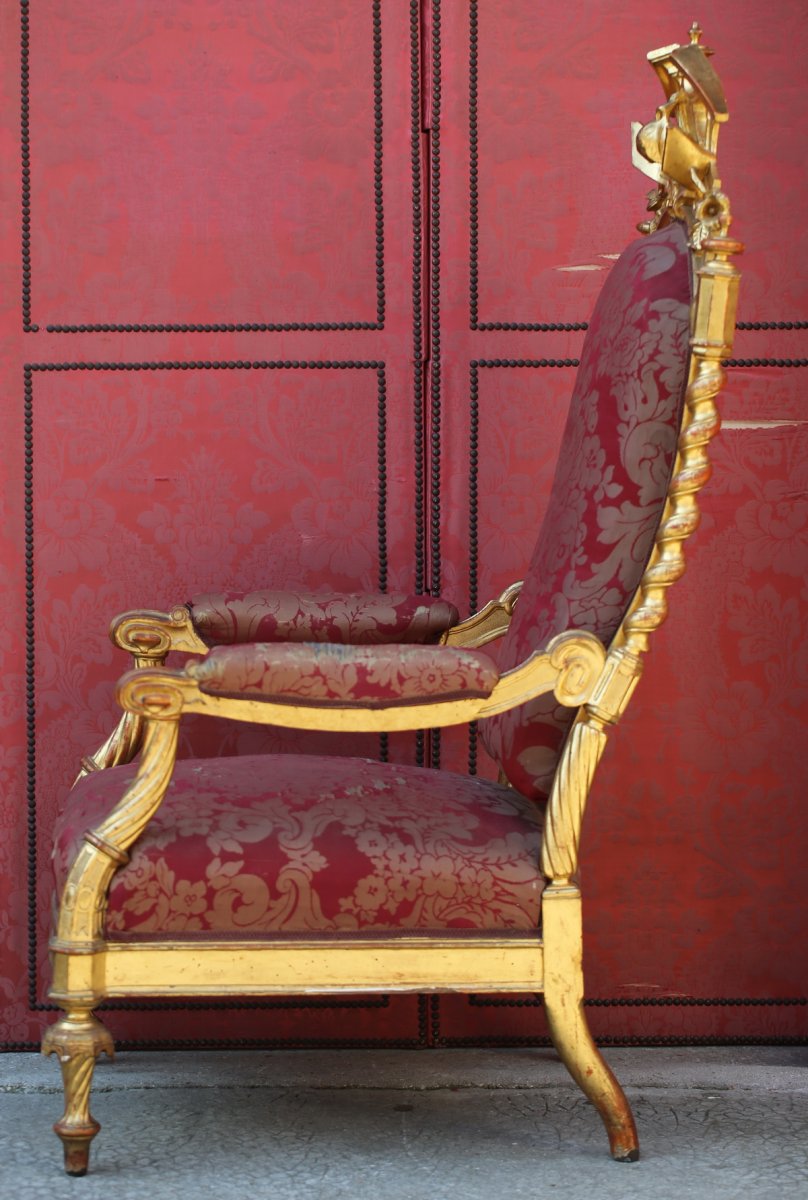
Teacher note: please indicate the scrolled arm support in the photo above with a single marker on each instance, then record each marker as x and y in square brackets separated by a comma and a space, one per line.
[604, 705]
[565, 809]
[81, 913]
[120, 747]
[485, 626]
[156, 693]
[570, 666]
[149, 636]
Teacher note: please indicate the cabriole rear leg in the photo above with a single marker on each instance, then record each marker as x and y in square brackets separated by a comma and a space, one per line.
[563, 1002]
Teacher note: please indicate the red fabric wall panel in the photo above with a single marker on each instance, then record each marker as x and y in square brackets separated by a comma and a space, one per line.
[198, 163]
[234, 183]
[221, 245]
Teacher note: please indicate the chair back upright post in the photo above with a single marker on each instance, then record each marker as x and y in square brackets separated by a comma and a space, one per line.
[678, 151]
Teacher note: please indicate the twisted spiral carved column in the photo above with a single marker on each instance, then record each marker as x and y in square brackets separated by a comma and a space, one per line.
[681, 516]
[711, 342]
[120, 747]
[130, 817]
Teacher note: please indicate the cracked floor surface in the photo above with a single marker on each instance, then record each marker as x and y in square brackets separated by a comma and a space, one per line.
[476, 1124]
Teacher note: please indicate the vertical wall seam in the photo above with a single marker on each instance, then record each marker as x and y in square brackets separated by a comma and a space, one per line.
[434, 308]
[435, 363]
[25, 158]
[418, 381]
[30, 685]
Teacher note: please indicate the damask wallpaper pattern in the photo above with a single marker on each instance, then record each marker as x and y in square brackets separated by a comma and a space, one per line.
[248, 199]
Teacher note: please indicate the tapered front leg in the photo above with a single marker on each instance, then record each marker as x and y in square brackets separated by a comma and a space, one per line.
[563, 1002]
[78, 1038]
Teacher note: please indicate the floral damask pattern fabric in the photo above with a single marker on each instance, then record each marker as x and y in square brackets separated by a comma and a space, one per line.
[610, 485]
[355, 619]
[310, 845]
[318, 673]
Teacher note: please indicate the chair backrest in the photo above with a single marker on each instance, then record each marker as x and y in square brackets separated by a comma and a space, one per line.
[610, 486]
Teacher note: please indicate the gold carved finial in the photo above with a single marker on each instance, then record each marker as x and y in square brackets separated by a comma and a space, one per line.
[696, 34]
[678, 148]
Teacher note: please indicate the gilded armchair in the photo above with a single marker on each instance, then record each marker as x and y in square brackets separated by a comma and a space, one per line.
[293, 874]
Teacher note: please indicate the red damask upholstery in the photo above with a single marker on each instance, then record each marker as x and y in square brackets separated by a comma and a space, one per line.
[310, 845]
[327, 675]
[353, 619]
[613, 471]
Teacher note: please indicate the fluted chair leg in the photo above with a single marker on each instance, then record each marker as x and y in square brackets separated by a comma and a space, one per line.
[77, 1038]
[563, 1002]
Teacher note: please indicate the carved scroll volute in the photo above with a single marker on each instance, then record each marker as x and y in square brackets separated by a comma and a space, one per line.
[149, 636]
[579, 658]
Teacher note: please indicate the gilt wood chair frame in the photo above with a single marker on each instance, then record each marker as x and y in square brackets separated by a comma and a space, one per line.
[677, 150]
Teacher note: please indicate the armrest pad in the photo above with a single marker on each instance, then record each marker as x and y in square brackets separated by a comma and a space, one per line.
[345, 676]
[343, 618]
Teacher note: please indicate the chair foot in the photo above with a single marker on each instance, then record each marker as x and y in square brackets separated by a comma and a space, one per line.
[77, 1038]
[77, 1150]
[577, 1050]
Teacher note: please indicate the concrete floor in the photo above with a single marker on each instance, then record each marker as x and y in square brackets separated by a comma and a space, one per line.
[406, 1125]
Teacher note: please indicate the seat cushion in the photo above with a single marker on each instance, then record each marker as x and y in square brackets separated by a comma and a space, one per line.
[308, 845]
